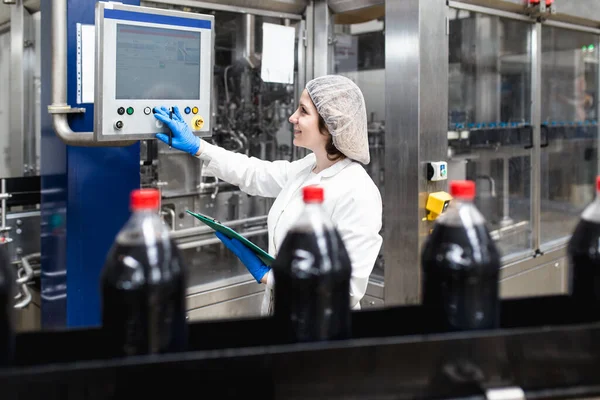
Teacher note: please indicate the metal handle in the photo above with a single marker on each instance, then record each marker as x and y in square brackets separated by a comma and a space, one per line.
[59, 109]
[24, 276]
[27, 267]
[25, 290]
[171, 212]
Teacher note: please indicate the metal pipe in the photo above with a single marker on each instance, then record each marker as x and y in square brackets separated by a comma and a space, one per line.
[492, 183]
[249, 40]
[459, 5]
[27, 267]
[218, 6]
[59, 107]
[506, 219]
[3, 203]
[171, 212]
[571, 27]
[25, 302]
[249, 26]
[536, 120]
[205, 229]
[206, 242]
[212, 185]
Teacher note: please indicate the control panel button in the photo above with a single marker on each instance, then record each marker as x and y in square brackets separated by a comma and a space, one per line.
[119, 125]
[121, 111]
[198, 122]
[159, 124]
[147, 110]
[195, 110]
[129, 110]
[187, 110]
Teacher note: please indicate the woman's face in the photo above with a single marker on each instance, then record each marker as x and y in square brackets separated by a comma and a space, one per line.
[306, 125]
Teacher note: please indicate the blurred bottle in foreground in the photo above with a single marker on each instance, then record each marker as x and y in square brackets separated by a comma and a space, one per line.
[461, 267]
[143, 284]
[584, 259]
[312, 277]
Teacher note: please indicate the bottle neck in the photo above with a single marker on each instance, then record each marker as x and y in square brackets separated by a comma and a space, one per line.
[313, 204]
[311, 217]
[461, 212]
[591, 212]
[146, 210]
[458, 201]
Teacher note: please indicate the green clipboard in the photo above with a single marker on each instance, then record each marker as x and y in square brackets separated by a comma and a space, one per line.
[230, 233]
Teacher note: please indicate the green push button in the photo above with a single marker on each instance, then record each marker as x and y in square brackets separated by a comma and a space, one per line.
[129, 110]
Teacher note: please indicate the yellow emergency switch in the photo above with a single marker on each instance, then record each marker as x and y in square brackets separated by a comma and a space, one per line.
[437, 203]
[197, 122]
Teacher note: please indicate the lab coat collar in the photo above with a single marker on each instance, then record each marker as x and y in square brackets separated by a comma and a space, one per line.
[334, 169]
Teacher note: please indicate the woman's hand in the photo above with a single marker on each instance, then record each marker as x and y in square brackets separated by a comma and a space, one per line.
[256, 267]
[183, 138]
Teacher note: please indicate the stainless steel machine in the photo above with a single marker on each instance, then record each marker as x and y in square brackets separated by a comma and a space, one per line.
[505, 93]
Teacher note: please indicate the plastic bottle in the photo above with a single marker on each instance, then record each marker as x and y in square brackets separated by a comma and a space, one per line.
[143, 284]
[461, 266]
[312, 277]
[8, 291]
[584, 259]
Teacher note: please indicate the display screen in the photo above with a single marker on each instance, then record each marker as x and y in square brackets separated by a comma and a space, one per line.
[157, 63]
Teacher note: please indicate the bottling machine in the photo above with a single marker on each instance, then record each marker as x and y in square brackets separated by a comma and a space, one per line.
[505, 93]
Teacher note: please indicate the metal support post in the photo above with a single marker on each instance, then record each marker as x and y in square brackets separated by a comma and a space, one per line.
[323, 39]
[536, 121]
[416, 59]
[21, 131]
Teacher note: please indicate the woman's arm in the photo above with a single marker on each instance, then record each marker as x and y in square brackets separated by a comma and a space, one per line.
[252, 175]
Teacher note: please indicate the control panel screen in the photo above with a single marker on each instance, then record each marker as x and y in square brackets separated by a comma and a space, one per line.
[157, 63]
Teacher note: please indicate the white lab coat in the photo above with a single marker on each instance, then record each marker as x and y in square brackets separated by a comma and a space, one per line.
[352, 201]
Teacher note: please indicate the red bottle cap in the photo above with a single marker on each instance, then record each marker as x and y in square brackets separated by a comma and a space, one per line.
[313, 194]
[144, 199]
[598, 183]
[462, 189]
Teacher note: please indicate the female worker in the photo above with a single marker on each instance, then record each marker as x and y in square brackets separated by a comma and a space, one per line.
[331, 121]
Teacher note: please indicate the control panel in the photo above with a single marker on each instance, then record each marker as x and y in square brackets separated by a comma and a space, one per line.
[147, 58]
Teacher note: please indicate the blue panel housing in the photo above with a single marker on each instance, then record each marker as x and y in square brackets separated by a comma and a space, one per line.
[85, 193]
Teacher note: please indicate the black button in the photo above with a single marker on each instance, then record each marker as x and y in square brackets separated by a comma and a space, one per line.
[121, 111]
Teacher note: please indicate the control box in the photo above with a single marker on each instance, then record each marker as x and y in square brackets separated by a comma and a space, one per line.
[147, 58]
[437, 170]
[437, 203]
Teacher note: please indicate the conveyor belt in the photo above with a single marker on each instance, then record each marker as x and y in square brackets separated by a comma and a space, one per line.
[544, 347]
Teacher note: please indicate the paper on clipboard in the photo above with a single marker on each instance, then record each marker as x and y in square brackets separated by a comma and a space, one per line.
[230, 233]
[277, 61]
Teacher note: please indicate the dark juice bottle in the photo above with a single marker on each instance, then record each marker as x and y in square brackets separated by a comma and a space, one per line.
[143, 284]
[461, 267]
[584, 260]
[8, 291]
[312, 277]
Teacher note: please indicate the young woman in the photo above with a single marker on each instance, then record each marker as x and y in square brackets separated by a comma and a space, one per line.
[331, 121]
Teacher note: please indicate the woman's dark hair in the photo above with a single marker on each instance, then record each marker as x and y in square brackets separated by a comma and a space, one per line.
[332, 152]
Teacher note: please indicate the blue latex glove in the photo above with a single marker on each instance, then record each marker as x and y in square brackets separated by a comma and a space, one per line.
[183, 138]
[256, 267]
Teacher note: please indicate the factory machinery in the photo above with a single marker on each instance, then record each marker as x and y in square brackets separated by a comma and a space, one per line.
[507, 95]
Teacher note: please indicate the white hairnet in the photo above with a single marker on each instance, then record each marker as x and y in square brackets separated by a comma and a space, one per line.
[341, 105]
